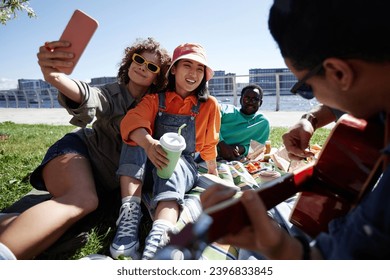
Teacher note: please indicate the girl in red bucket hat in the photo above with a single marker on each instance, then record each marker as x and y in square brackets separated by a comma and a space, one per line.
[194, 52]
[186, 101]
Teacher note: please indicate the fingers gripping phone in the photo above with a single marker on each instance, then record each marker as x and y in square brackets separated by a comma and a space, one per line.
[78, 32]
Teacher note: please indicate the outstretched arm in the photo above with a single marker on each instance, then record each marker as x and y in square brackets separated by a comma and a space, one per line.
[49, 58]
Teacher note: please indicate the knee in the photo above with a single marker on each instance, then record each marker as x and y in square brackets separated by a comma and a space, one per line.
[87, 202]
[90, 203]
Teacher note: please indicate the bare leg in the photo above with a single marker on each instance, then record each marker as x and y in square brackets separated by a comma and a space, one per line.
[6, 220]
[167, 210]
[69, 179]
[130, 186]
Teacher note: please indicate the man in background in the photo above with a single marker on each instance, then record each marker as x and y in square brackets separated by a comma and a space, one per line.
[240, 126]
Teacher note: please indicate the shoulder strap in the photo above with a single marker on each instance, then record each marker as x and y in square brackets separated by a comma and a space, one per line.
[195, 109]
[161, 101]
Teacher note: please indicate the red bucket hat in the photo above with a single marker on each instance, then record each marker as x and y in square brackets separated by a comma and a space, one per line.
[194, 52]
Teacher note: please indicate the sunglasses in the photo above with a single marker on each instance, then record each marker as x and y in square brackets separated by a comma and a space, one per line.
[140, 60]
[248, 99]
[303, 89]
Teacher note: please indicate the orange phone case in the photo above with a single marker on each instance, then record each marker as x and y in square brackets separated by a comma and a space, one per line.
[78, 31]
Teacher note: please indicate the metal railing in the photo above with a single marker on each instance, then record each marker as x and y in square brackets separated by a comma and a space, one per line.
[36, 98]
[276, 84]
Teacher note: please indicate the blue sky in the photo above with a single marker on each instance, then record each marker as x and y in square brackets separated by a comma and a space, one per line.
[234, 33]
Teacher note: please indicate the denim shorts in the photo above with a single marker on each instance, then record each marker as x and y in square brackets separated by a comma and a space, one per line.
[71, 143]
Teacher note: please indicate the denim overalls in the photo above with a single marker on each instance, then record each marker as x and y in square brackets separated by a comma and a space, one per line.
[134, 161]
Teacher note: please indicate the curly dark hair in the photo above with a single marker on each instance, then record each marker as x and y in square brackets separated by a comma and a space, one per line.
[141, 45]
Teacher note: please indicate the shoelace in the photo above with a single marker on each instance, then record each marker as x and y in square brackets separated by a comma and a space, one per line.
[158, 238]
[128, 225]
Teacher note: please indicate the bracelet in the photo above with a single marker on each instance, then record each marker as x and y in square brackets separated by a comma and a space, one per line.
[311, 118]
[306, 247]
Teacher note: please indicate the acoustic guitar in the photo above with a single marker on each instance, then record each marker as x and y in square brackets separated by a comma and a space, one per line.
[347, 167]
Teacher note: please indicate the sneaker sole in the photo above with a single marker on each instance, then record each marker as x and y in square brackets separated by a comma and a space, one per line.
[127, 253]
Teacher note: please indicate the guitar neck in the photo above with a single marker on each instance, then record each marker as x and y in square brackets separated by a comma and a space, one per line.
[230, 216]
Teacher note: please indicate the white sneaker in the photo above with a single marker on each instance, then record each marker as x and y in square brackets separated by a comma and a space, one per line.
[157, 238]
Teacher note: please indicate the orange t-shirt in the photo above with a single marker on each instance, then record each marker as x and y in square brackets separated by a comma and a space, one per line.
[207, 122]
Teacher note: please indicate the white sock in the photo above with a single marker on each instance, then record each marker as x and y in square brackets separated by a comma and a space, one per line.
[130, 198]
[6, 253]
[164, 224]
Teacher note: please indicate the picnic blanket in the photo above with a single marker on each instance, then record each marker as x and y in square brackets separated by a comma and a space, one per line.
[235, 173]
[231, 173]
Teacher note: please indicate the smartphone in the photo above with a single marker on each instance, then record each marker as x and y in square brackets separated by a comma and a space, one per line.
[78, 32]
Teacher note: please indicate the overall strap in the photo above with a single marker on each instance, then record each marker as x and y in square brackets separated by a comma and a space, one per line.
[161, 102]
[195, 109]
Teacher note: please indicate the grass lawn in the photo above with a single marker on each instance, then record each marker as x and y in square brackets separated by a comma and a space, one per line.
[22, 148]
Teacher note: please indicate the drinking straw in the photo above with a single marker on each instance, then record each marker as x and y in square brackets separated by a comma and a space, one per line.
[181, 127]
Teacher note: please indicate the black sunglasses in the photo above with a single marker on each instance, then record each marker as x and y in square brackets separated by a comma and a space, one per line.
[139, 59]
[303, 89]
[250, 99]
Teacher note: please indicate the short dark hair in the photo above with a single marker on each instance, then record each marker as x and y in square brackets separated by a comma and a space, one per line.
[309, 31]
[252, 87]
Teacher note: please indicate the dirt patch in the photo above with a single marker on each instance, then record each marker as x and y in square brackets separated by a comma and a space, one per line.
[4, 136]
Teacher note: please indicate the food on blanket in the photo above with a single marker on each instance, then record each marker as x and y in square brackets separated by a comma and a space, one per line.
[253, 166]
[280, 162]
[315, 149]
[255, 149]
[206, 180]
[268, 175]
[267, 146]
[297, 164]
[267, 150]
